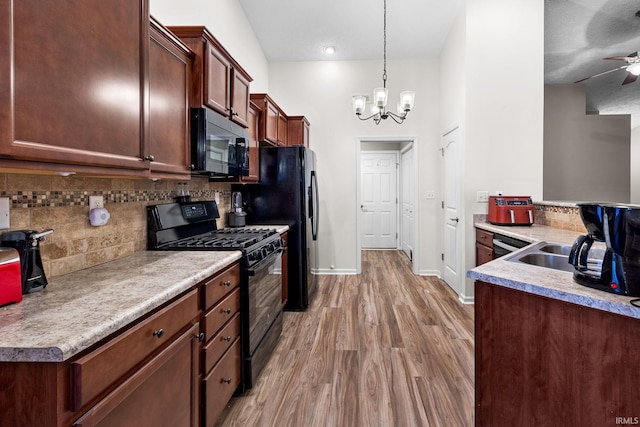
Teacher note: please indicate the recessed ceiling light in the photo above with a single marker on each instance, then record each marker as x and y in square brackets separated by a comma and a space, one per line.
[329, 50]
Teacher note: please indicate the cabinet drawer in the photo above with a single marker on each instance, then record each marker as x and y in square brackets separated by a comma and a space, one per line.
[161, 393]
[220, 343]
[220, 314]
[220, 285]
[95, 372]
[484, 237]
[484, 254]
[219, 385]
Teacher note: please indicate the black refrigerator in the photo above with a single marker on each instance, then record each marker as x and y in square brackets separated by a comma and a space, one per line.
[288, 194]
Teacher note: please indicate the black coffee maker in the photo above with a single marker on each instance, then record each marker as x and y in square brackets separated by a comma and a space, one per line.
[27, 243]
[617, 269]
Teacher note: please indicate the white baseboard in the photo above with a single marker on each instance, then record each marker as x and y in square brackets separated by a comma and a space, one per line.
[334, 272]
[435, 273]
[465, 299]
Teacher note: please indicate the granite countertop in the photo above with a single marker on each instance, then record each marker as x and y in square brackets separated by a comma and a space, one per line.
[79, 309]
[542, 281]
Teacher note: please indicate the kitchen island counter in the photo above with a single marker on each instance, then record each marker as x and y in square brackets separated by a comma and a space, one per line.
[543, 281]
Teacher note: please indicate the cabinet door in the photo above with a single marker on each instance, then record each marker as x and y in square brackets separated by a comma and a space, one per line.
[71, 82]
[271, 123]
[240, 100]
[217, 88]
[484, 254]
[282, 129]
[254, 148]
[169, 78]
[161, 393]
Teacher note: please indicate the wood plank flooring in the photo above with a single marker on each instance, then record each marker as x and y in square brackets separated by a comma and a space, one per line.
[384, 348]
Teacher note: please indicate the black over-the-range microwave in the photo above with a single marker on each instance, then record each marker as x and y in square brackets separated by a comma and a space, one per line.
[219, 147]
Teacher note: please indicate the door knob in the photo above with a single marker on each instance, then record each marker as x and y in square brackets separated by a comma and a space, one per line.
[454, 219]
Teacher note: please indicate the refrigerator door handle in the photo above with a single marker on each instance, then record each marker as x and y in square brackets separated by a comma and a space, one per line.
[313, 205]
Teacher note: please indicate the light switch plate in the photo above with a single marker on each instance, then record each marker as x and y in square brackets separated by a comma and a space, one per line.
[482, 196]
[4, 212]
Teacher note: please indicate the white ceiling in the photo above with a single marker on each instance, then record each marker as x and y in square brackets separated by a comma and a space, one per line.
[297, 30]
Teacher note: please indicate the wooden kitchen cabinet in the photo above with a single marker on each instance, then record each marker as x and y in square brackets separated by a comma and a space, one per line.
[298, 131]
[544, 362]
[254, 145]
[272, 126]
[218, 81]
[72, 85]
[169, 82]
[484, 246]
[151, 364]
[221, 347]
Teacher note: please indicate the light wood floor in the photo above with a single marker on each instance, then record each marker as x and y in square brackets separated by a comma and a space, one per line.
[384, 348]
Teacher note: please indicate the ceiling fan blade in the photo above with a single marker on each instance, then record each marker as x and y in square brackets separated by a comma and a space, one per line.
[623, 58]
[629, 79]
[601, 74]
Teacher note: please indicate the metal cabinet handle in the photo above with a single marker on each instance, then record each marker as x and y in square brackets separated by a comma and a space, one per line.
[200, 337]
[150, 158]
[159, 333]
[226, 380]
[227, 338]
[227, 311]
[227, 283]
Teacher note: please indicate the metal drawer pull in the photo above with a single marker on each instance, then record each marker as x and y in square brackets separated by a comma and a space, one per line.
[200, 337]
[159, 333]
[227, 311]
[227, 283]
[226, 380]
[227, 338]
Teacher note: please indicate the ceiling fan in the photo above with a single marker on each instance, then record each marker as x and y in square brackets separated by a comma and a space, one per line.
[632, 67]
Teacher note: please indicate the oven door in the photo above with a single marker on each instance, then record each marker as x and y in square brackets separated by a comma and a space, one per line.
[263, 306]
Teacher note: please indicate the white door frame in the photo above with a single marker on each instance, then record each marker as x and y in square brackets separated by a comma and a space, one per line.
[413, 142]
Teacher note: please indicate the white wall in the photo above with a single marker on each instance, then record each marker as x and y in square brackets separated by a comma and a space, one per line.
[575, 142]
[322, 91]
[504, 83]
[226, 20]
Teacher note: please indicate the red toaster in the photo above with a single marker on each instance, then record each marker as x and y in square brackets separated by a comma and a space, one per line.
[10, 278]
[510, 210]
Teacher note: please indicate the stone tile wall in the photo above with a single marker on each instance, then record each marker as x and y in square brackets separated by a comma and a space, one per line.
[38, 202]
[563, 216]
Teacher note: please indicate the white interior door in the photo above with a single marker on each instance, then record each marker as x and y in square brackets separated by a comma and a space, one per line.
[379, 202]
[408, 208]
[451, 191]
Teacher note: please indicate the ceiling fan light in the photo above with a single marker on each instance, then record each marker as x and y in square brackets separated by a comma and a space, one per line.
[380, 97]
[634, 69]
[359, 103]
[406, 100]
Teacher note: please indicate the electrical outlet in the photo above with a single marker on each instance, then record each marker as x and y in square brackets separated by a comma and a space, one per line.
[430, 195]
[96, 202]
[482, 196]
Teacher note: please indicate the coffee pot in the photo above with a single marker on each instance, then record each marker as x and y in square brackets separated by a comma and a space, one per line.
[237, 217]
[27, 243]
[616, 267]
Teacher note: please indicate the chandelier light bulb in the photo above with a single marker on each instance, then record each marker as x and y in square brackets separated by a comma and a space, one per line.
[359, 103]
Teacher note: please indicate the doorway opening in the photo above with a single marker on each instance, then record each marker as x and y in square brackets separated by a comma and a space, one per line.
[386, 202]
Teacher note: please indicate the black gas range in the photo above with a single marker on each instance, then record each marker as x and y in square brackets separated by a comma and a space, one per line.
[192, 226]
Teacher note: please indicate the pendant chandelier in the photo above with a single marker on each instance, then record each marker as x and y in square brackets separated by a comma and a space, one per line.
[380, 94]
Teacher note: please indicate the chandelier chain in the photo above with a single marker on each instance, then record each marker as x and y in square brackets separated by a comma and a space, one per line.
[384, 32]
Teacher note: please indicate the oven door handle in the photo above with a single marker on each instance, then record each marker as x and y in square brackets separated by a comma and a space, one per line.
[264, 263]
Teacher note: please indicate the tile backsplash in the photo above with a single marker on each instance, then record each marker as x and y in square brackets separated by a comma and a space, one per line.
[38, 202]
[565, 216]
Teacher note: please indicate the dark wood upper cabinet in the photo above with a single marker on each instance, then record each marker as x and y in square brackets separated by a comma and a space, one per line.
[272, 126]
[72, 86]
[298, 131]
[169, 81]
[218, 81]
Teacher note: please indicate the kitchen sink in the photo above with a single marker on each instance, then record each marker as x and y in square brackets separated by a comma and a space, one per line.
[547, 260]
[544, 254]
[556, 248]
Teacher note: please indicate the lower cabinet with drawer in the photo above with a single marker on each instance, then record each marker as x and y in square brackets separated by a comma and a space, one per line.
[221, 350]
